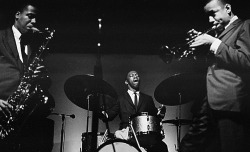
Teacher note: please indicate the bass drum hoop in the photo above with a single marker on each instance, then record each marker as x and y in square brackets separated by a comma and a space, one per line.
[118, 141]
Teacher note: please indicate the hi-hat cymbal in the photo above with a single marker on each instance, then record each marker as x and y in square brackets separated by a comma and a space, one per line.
[90, 92]
[180, 88]
[178, 122]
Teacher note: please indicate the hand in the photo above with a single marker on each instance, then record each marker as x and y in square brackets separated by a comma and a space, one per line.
[192, 34]
[41, 76]
[4, 107]
[40, 72]
[103, 116]
[203, 39]
[122, 134]
[161, 111]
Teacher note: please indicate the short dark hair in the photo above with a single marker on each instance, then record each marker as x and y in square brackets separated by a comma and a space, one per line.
[222, 1]
[21, 6]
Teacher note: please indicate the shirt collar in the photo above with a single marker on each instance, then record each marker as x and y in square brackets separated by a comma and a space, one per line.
[232, 20]
[132, 92]
[17, 34]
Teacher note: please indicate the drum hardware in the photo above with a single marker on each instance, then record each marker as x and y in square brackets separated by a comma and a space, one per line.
[87, 127]
[180, 89]
[93, 94]
[102, 137]
[178, 126]
[63, 126]
[178, 121]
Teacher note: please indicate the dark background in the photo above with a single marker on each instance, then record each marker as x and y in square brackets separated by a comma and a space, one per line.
[128, 26]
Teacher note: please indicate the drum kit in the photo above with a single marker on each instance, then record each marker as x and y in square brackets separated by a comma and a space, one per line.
[94, 94]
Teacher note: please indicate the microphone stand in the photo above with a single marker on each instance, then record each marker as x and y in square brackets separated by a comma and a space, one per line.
[62, 134]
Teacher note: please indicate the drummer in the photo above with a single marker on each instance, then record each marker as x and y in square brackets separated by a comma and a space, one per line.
[132, 102]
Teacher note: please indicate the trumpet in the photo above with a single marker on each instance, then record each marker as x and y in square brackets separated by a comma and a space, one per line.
[183, 50]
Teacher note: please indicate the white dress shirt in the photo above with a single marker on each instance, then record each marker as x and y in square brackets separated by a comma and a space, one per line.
[17, 36]
[132, 95]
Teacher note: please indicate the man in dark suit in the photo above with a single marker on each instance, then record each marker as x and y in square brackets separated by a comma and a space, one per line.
[131, 104]
[227, 102]
[14, 57]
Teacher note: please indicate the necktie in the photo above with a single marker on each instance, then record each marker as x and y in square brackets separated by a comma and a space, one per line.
[135, 100]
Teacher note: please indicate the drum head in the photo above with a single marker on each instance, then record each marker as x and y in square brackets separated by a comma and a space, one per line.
[141, 114]
[117, 145]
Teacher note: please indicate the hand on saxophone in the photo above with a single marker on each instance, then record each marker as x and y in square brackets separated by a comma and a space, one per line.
[40, 72]
[4, 107]
[41, 75]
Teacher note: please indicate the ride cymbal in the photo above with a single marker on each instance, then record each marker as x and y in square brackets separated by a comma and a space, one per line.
[90, 92]
[180, 88]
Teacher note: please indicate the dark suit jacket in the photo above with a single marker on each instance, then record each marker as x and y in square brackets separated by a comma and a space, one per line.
[11, 67]
[127, 108]
[227, 83]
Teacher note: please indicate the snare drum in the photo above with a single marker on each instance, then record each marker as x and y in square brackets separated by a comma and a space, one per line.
[148, 128]
[117, 145]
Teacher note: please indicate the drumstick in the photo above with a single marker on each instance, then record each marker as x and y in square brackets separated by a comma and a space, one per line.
[135, 135]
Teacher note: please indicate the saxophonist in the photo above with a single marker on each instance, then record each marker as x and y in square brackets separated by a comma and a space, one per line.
[17, 45]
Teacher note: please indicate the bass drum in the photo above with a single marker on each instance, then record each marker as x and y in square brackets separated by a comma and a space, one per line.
[117, 145]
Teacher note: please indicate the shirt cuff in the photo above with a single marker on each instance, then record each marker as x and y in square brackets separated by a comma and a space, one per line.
[215, 45]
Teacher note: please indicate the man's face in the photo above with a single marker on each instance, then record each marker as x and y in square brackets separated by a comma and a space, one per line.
[133, 80]
[25, 20]
[218, 13]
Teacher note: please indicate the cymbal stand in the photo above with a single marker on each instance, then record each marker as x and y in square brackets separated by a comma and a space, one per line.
[178, 125]
[106, 121]
[87, 127]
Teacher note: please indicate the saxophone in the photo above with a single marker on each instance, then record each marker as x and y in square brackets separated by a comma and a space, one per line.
[20, 99]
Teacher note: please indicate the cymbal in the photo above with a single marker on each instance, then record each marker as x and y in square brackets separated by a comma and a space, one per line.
[90, 92]
[180, 89]
[178, 121]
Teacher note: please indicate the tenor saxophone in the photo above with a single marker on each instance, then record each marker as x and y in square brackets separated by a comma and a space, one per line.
[27, 88]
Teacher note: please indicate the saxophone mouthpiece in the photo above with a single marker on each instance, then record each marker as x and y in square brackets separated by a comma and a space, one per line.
[35, 30]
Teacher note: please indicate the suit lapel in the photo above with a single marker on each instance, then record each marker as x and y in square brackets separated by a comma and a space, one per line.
[230, 28]
[11, 47]
[128, 98]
